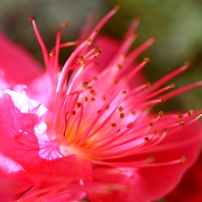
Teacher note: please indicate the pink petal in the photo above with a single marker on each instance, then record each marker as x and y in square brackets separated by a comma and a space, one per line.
[190, 188]
[18, 129]
[16, 63]
[155, 182]
[152, 183]
[7, 187]
[14, 171]
[41, 89]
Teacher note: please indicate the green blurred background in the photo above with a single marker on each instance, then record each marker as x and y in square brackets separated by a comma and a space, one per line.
[177, 25]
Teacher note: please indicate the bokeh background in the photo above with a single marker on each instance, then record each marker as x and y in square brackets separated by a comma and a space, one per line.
[176, 24]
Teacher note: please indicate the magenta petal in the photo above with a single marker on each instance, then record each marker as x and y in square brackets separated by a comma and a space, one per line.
[23, 181]
[155, 182]
[18, 65]
[152, 183]
[7, 187]
[190, 188]
[19, 142]
[41, 89]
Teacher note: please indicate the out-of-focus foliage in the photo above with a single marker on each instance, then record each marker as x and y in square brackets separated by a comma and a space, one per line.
[177, 25]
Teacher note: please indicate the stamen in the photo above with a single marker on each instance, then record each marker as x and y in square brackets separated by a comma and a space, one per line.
[151, 102]
[182, 90]
[190, 112]
[154, 94]
[132, 27]
[136, 52]
[70, 61]
[121, 115]
[165, 79]
[57, 44]
[140, 164]
[137, 69]
[107, 124]
[41, 43]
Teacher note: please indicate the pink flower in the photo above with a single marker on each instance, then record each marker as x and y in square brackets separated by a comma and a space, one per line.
[86, 129]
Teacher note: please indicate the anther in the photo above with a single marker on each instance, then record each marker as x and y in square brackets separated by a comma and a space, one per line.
[146, 60]
[124, 92]
[120, 108]
[86, 99]
[104, 97]
[146, 139]
[121, 115]
[85, 83]
[65, 23]
[79, 104]
[113, 124]
[181, 123]
[156, 132]
[148, 84]
[187, 64]
[74, 112]
[52, 54]
[81, 57]
[95, 78]
[136, 36]
[160, 113]
[32, 18]
[163, 100]
[122, 58]
[134, 112]
[92, 91]
[83, 62]
[172, 85]
[151, 124]
[155, 116]
[117, 8]
[153, 38]
[130, 125]
[119, 66]
[98, 49]
[89, 41]
[96, 64]
[137, 17]
[180, 116]
[190, 112]
[165, 129]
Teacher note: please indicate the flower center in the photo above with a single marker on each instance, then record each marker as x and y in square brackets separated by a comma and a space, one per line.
[76, 144]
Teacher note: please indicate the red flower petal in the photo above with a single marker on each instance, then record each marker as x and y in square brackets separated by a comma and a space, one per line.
[20, 143]
[7, 186]
[153, 182]
[18, 65]
[190, 188]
